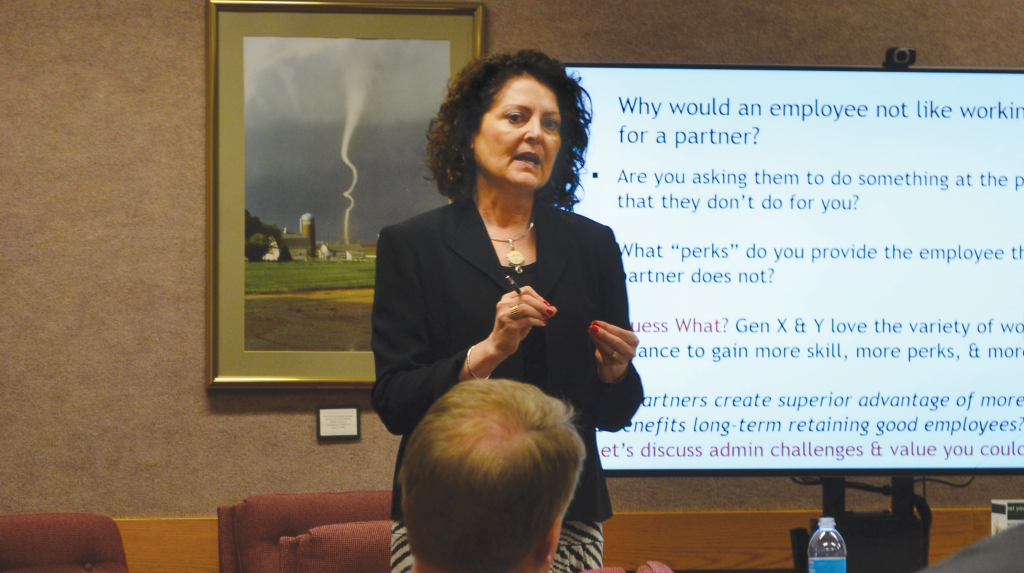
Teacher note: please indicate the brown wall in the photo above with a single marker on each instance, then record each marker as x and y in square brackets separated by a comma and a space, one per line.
[103, 405]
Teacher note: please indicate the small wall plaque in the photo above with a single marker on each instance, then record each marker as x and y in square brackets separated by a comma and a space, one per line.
[337, 422]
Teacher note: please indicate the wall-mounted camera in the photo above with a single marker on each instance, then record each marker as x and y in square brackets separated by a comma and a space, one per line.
[899, 58]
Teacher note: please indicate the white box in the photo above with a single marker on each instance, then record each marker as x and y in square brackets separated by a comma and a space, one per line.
[1006, 513]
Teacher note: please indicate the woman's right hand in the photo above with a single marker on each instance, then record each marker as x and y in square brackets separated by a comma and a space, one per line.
[510, 328]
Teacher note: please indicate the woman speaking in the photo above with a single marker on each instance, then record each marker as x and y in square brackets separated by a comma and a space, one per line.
[506, 281]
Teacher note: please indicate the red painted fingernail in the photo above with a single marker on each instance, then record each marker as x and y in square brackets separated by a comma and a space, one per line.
[547, 303]
[551, 311]
[593, 328]
[545, 322]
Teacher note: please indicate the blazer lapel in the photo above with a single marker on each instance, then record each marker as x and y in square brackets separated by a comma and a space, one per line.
[467, 236]
[556, 244]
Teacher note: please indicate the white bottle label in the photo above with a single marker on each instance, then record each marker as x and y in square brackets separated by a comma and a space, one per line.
[826, 565]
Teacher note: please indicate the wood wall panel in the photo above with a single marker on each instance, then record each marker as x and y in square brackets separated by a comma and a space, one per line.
[682, 540]
[709, 540]
[171, 545]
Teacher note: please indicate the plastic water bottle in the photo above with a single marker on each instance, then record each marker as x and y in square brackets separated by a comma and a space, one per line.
[826, 553]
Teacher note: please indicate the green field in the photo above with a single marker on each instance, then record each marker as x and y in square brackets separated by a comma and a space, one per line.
[295, 276]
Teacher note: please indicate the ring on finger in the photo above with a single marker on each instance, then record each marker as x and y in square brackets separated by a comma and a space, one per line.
[514, 310]
[615, 354]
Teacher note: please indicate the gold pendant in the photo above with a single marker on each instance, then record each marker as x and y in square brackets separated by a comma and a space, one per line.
[516, 259]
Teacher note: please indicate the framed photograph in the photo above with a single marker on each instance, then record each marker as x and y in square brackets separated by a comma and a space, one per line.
[316, 139]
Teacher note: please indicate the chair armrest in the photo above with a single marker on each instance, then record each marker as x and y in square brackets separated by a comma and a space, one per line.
[360, 547]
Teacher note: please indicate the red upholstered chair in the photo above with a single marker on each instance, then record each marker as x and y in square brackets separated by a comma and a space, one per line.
[251, 532]
[60, 543]
[363, 547]
[654, 567]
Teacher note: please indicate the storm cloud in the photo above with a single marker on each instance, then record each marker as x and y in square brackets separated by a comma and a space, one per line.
[303, 94]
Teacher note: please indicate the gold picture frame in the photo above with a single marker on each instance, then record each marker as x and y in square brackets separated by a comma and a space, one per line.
[230, 24]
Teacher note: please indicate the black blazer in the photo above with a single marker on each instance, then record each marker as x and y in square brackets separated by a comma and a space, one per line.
[438, 280]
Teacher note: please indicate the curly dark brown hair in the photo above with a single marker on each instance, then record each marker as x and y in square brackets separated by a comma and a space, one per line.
[471, 93]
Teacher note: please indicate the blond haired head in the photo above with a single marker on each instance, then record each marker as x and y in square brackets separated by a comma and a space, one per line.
[486, 474]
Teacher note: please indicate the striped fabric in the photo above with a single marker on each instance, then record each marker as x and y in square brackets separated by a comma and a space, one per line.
[401, 556]
[580, 548]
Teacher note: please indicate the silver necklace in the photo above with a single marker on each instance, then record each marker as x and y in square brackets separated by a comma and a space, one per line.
[514, 257]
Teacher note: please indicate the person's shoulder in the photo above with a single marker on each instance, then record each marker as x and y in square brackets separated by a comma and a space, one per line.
[579, 224]
[424, 224]
[1001, 552]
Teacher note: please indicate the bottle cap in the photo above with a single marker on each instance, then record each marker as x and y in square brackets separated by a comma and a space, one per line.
[826, 522]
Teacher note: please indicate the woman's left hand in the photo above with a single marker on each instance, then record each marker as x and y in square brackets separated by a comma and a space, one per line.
[615, 348]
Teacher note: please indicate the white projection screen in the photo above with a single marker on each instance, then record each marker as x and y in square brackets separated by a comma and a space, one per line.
[824, 266]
